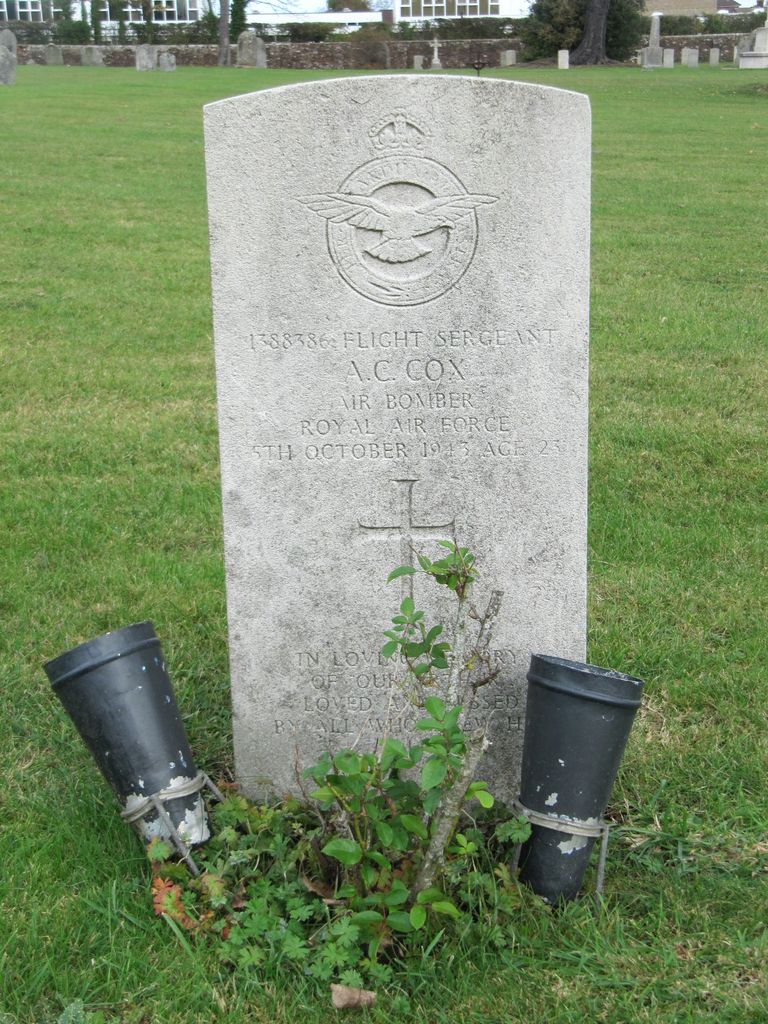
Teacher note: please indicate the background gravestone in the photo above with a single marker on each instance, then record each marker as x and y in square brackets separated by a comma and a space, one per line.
[91, 57]
[652, 55]
[166, 61]
[7, 66]
[563, 59]
[714, 56]
[401, 334]
[668, 57]
[418, 62]
[508, 58]
[54, 55]
[689, 57]
[146, 57]
[8, 40]
[251, 50]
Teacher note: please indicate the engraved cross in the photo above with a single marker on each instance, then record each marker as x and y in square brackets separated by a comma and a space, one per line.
[408, 531]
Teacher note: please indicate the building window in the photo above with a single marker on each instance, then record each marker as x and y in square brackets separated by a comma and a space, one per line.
[3, 11]
[30, 10]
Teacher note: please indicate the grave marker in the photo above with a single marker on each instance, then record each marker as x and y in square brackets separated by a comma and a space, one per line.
[53, 55]
[146, 57]
[251, 50]
[166, 61]
[8, 40]
[401, 346]
[563, 60]
[508, 58]
[7, 66]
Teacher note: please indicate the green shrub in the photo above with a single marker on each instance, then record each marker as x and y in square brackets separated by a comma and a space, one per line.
[31, 32]
[72, 33]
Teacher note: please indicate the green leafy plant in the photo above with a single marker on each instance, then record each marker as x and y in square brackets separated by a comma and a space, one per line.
[375, 870]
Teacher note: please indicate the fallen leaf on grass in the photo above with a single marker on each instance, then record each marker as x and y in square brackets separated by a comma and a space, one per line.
[345, 998]
[325, 892]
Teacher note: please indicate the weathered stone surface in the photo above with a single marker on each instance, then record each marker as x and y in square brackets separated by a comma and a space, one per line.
[508, 58]
[669, 58]
[7, 66]
[92, 57]
[400, 281]
[563, 59]
[689, 57]
[652, 57]
[714, 56]
[418, 62]
[53, 55]
[654, 39]
[8, 40]
[251, 51]
[146, 57]
[166, 62]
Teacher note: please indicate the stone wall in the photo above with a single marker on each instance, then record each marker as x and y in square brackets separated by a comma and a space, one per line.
[725, 41]
[454, 53]
[124, 56]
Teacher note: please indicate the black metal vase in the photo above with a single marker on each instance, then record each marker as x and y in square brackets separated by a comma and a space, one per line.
[117, 692]
[578, 719]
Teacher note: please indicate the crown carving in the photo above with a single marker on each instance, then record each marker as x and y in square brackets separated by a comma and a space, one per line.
[398, 133]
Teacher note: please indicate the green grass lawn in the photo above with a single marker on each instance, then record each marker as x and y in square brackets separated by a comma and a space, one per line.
[110, 514]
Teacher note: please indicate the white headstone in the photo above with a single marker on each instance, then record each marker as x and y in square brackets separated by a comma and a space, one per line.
[166, 61]
[508, 58]
[757, 54]
[251, 50]
[146, 57]
[418, 62]
[8, 40]
[689, 57]
[669, 57]
[714, 56]
[563, 60]
[7, 66]
[54, 55]
[401, 332]
[652, 55]
[91, 57]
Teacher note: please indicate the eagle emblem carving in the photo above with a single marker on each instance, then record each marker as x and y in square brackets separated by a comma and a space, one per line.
[400, 226]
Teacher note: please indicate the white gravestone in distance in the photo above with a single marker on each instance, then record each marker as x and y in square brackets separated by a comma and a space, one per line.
[7, 66]
[418, 62]
[669, 57]
[563, 59]
[166, 61]
[714, 56]
[146, 57]
[508, 58]
[54, 55]
[8, 40]
[652, 55]
[401, 330]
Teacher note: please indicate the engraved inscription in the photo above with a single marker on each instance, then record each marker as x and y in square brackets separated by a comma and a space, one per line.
[408, 531]
[401, 229]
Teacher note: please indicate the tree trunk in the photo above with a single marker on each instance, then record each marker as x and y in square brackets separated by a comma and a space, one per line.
[591, 49]
[223, 33]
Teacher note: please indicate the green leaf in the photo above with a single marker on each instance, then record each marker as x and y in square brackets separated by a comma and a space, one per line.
[435, 707]
[414, 650]
[393, 746]
[399, 921]
[433, 773]
[398, 894]
[451, 719]
[429, 895]
[369, 873]
[347, 851]
[414, 825]
[389, 648]
[378, 858]
[418, 916]
[484, 798]
[446, 907]
[346, 892]
[433, 634]
[407, 607]
[425, 724]
[447, 544]
[420, 670]
[424, 562]
[347, 761]
[402, 570]
[324, 795]
[370, 917]
[385, 833]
